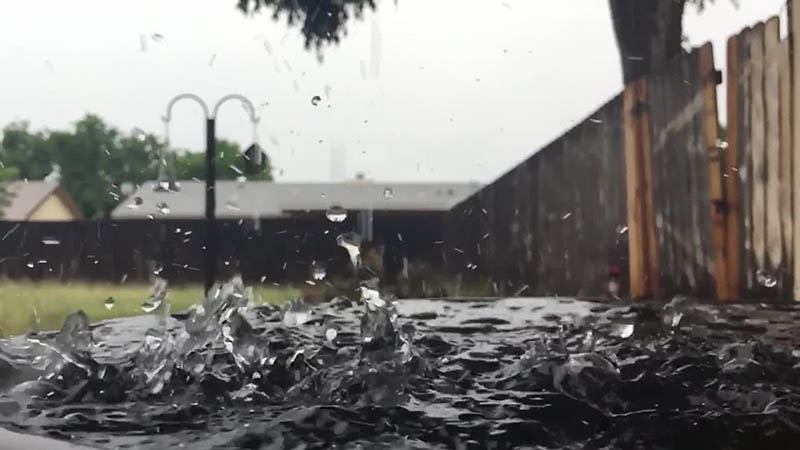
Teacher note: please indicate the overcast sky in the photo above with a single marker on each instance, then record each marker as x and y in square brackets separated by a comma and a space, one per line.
[420, 90]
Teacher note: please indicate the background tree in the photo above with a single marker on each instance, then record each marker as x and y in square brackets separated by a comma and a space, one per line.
[94, 159]
[230, 164]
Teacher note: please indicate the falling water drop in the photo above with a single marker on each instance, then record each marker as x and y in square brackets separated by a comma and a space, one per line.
[109, 303]
[318, 272]
[163, 208]
[315, 100]
[135, 203]
[766, 279]
[351, 241]
[50, 241]
[336, 214]
[232, 204]
[388, 192]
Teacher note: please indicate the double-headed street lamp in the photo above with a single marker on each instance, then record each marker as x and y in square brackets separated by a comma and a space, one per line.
[166, 180]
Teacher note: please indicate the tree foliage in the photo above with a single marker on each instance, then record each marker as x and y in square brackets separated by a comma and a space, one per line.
[94, 159]
[320, 21]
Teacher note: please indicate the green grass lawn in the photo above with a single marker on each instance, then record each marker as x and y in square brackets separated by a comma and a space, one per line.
[53, 301]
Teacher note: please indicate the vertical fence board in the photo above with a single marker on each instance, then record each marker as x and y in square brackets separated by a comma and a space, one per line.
[758, 150]
[715, 170]
[785, 163]
[774, 246]
[794, 36]
[731, 165]
[636, 222]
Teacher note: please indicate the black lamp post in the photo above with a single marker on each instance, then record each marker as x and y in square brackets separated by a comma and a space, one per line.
[166, 179]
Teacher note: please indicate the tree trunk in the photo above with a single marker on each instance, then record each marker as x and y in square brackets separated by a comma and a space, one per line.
[648, 34]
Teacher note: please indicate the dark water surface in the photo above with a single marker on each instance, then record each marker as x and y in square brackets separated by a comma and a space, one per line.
[517, 373]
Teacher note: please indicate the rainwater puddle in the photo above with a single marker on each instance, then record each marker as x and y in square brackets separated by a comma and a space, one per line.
[514, 373]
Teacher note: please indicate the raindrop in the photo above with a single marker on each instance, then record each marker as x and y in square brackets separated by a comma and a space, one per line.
[138, 134]
[30, 265]
[211, 61]
[388, 192]
[236, 169]
[163, 208]
[336, 214]
[566, 216]
[241, 179]
[109, 303]
[50, 241]
[148, 307]
[623, 330]
[232, 205]
[315, 100]
[157, 37]
[766, 279]
[593, 120]
[318, 272]
[330, 334]
[623, 229]
[351, 241]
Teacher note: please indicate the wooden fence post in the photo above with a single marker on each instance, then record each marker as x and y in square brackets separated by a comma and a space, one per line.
[731, 156]
[719, 211]
[794, 39]
[774, 244]
[643, 257]
[785, 191]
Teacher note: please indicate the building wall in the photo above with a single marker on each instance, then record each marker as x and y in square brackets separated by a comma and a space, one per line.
[52, 209]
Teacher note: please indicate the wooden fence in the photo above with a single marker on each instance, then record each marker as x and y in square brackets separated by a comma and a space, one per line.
[554, 224]
[280, 250]
[759, 162]
[706, 215]
[631, 196]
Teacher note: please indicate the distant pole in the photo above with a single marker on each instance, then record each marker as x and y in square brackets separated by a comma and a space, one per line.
[210, 271]
[211, 238]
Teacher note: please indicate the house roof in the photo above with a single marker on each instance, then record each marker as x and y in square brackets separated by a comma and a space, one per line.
[267, 199]
[26, 196]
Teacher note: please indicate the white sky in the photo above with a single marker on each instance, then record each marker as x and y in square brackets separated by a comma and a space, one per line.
[465, 88]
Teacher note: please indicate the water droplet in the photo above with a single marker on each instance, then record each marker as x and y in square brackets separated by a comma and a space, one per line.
[623, 330]
[135, 203]
[157, 37]
[241, 179]
[766, 279]
[315, 100]
[566, 216]
[297, 313]
[138, 134]
[336, 214]
[330, 334]
[318, 272]
[232, 205]
[30, 265]
[623, 229]
[163, 208]
[50, 241]
[109, 303]
[351, 241]
[388, 192]
[148, 307]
